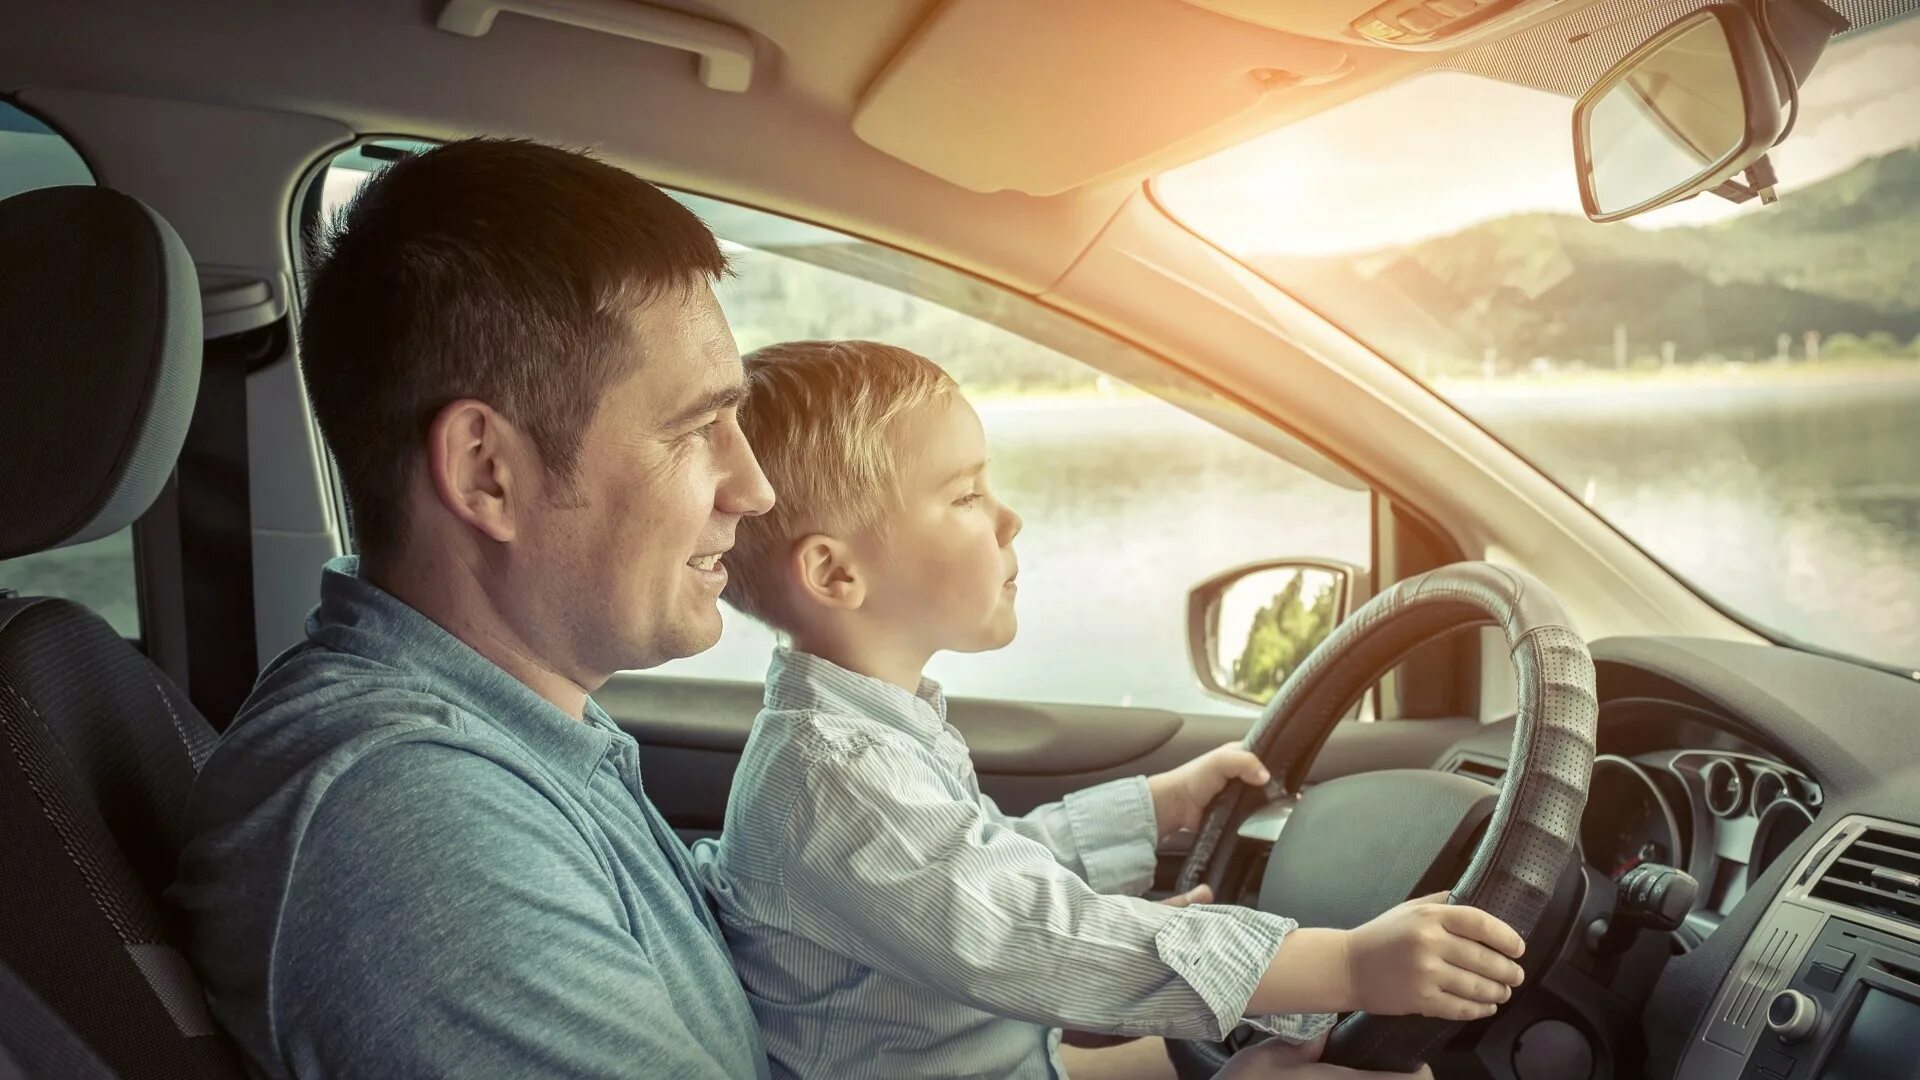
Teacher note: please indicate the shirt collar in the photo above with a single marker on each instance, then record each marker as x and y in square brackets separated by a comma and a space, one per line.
[358, 617]
[801, 681]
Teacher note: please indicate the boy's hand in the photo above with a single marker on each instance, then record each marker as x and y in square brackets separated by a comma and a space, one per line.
[1429, 957]
[1199, 894]
[1181, 795]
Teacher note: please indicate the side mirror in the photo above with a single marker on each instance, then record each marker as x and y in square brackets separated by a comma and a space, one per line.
[1681, 114]
[1248, 628]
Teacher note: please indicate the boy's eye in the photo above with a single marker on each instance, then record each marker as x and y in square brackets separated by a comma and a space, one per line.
[969, 499]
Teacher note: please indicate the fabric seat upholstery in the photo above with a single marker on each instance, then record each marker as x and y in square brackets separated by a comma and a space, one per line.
[99, 366]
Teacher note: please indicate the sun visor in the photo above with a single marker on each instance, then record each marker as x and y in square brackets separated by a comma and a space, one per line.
[1042, 98]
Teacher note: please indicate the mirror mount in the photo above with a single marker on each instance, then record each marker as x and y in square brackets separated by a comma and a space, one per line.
[1759, 184]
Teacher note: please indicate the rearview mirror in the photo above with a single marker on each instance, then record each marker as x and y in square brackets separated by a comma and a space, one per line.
[1683, 113]
[1249, 628]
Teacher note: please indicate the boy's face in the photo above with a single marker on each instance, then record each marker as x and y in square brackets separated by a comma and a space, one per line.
[941, 569]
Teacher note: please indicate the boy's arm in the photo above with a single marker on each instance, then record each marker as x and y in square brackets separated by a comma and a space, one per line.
[884, 866]
[1106, 833]
[1109, 834]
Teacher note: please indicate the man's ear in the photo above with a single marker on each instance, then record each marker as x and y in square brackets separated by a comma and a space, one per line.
[824, 572]
[470, 452]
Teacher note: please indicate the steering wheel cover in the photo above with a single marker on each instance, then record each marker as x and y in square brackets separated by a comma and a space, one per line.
[1531, 836]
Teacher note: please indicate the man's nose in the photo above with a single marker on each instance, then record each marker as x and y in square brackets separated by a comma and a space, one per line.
[745, 491]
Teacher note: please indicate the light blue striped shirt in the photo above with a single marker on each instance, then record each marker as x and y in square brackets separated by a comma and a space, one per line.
[887, 920]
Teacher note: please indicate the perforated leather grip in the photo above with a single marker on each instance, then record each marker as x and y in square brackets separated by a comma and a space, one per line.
[1530, 837]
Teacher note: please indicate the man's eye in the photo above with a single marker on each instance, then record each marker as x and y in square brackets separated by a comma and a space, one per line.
[705, 431]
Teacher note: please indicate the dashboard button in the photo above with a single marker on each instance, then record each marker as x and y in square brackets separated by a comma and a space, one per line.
[1792, 1015]
[1832, 957]
[1771, 1062]
[1824, 978]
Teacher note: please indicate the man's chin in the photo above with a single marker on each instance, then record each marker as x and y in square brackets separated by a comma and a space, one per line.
[691, 635]
[699, 632]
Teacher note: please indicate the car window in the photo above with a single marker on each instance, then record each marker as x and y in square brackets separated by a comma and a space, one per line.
[100, 573]
[1129, 499]
[1735, 387]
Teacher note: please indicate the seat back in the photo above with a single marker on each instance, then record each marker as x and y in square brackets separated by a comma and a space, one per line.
[35, 1042]
[99, 364]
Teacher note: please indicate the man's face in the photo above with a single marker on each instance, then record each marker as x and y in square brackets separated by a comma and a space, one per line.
[941, 569]
[630, 552]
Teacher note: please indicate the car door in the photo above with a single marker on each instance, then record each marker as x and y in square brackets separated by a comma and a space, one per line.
[1135, 482]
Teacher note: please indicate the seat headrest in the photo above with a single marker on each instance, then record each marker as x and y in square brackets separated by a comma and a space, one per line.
[99, 363]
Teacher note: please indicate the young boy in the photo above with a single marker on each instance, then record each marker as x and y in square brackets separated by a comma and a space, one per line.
[886, 918]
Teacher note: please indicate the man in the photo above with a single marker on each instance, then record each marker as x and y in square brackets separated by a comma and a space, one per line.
[422, 849]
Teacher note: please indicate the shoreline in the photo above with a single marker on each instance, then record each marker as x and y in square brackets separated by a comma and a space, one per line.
[1723, 385]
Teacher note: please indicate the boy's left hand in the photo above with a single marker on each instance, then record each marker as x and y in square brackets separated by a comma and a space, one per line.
[1181, 795]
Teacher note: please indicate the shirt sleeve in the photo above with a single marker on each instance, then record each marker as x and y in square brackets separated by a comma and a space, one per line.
[886, 867]
[1107, 834]
[446, 919]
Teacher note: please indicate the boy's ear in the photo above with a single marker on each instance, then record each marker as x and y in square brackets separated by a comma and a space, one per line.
[824, 572]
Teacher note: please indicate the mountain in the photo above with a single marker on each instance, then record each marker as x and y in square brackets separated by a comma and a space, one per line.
[1838, 256]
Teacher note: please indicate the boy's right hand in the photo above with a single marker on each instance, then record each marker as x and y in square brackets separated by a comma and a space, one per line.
[1433, 958]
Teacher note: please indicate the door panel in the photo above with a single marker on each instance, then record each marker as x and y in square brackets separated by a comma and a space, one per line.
[1007, 738]
[691, 732]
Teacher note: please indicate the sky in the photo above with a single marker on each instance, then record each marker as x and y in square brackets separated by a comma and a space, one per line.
[1359, 177]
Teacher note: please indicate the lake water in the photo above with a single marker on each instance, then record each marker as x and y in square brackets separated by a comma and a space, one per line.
[1127, 506]
[1797, 504]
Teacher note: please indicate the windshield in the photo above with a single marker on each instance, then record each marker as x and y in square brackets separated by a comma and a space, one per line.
[1735, 388]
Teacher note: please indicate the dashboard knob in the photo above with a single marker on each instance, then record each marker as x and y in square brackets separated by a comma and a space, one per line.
[1793, 1015]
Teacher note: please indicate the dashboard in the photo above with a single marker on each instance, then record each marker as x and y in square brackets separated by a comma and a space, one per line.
[1723, 816]
[1788, 786]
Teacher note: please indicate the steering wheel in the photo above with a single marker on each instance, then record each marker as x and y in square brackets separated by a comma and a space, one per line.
[1353, 847]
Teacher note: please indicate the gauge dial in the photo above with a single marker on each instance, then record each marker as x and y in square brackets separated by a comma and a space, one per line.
[1726, 789]
[1627, 821]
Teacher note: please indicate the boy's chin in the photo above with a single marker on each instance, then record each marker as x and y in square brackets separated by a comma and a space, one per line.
[997, 635]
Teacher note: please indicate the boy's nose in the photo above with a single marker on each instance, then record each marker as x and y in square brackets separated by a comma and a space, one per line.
[1010, 524]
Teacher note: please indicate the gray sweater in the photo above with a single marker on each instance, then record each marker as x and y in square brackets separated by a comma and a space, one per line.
[406, 863]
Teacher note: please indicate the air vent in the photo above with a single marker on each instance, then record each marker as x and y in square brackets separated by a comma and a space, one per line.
[1877, 873]
[1492, 772]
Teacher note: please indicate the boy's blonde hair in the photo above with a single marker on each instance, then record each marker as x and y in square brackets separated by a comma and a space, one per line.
[818, 415]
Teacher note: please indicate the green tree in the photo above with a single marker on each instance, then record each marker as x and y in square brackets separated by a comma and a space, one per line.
[1283, 634]
[1844, 346]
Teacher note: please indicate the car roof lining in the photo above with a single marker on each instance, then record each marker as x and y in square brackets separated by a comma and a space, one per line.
[787, 145]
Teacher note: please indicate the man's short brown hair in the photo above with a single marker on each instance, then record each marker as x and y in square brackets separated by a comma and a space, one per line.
[494, 269]
[818, 415]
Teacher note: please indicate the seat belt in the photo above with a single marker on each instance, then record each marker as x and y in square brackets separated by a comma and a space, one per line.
[216, 525]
